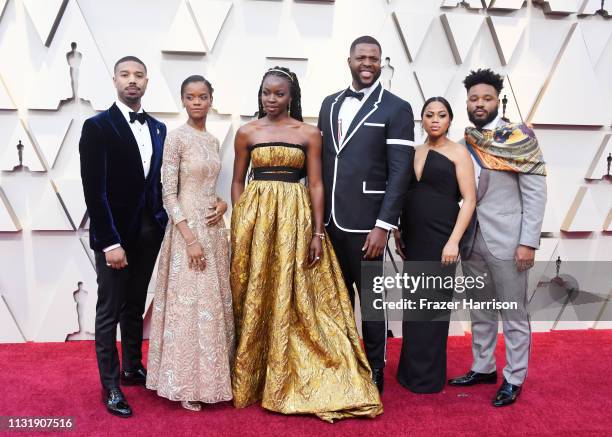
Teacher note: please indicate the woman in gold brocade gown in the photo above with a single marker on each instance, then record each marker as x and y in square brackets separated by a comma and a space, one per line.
[298, 349]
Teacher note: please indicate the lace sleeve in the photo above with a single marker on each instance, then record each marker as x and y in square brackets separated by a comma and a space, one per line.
[170, 179]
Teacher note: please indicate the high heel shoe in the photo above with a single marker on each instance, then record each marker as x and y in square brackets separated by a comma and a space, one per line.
[190, 405]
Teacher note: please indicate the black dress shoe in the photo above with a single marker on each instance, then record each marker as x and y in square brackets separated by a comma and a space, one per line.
[472, 378]
[378, 378]
[115, 402]
[134, 377]
[507, 394]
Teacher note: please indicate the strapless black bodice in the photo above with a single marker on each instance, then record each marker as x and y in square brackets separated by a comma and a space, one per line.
[432, 206]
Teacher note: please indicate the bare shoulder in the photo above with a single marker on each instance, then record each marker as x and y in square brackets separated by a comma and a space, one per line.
[419, 148]
[309, 129]
[458, 151]
[309, 134]
[244, 134]
[248, 128]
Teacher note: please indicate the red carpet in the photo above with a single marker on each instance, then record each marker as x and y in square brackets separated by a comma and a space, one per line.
[568, 392]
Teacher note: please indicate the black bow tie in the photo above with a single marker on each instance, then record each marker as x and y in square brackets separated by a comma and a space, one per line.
[141, 117]
[358, 95]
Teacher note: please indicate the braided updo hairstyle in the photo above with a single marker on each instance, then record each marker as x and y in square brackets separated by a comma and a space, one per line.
[295, 108]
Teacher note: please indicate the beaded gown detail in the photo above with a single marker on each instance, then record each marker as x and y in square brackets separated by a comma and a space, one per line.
[192, 331]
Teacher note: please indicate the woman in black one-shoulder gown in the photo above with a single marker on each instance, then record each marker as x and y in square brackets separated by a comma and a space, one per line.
[431, 227]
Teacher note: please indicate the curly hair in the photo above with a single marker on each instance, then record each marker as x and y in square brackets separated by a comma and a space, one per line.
[295, 107]
[486, 76]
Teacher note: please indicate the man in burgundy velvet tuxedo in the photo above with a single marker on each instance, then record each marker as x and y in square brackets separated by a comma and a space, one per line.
[121, 154]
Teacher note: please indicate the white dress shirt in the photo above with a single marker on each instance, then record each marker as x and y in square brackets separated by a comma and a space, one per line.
[142, 135]
[349, 109]
[143, 139]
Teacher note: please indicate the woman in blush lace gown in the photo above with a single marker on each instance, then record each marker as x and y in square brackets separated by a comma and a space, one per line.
[192, 334]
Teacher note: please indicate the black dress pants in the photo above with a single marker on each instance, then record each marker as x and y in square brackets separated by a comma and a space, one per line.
[121, 300]
[347, 246]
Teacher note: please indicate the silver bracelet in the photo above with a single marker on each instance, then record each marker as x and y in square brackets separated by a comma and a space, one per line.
[195, 240]
[320, 235]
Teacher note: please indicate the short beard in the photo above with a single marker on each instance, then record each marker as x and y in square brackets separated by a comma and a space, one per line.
[480, 123]
[132, 99]
[358, 81]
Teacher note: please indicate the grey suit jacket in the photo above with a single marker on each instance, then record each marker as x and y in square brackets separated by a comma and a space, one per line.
[509, 210]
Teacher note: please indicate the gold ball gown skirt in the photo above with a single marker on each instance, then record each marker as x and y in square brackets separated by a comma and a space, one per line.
[298, 350]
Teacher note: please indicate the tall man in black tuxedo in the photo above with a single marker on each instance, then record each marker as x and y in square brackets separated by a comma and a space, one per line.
[121, 154]
[368, 152]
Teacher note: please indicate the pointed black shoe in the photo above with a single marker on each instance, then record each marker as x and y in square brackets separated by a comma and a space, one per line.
[507, 394]
[472, 378]
[115, 403]
[378, 378]
[134, 377]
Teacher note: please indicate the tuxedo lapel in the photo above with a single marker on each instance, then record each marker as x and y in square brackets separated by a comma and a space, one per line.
[333, 118]
[156, 142]
[125, 133]
[367, 109]
[121, 125]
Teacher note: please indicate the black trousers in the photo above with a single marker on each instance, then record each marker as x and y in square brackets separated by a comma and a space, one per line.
[347, 246]
[121, 300]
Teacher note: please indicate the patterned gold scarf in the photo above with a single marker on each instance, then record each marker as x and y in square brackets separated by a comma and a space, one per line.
[511, 147]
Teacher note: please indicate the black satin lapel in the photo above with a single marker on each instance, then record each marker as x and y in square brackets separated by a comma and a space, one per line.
[156, 143]
[121, 126]
[125, 133]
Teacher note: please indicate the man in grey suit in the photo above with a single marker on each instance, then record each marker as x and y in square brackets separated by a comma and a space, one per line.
[500, 244]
